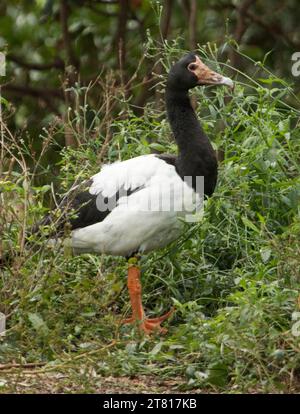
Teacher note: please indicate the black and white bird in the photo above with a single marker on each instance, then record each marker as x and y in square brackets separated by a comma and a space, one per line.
[135, 206]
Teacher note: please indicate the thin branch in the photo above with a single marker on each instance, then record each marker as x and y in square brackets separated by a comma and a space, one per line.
[47, 95]
[164, 32]
[166, 19]
[57, 64]
[121, 32]
[275, 30]
[64, 15]
[35, 92]
[71, 77]
[241, 26]
[186, 8]
[27, 365]
[193, 24]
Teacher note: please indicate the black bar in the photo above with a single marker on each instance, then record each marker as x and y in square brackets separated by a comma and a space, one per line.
[136, 402]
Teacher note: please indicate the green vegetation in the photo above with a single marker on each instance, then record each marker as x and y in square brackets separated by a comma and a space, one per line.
[233, 278]
[49, 44]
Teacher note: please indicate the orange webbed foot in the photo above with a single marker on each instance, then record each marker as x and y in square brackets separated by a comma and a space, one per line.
[151, 325]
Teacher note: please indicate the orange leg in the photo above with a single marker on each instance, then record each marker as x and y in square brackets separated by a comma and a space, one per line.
[138, 314]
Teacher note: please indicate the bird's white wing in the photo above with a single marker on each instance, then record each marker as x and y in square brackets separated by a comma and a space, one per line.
[144, 220]
[129, 175]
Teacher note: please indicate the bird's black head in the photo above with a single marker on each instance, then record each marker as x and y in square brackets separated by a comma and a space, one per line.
[190, 71]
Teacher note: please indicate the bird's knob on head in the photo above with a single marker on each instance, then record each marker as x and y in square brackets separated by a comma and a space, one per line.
[190, 71]
[206, 76]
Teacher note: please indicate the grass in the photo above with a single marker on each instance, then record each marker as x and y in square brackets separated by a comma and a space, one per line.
[233, 278]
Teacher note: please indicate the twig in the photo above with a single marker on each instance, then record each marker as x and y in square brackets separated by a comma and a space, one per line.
[121, 33]
[73, 66]
[28, 365]
[57, 64]
[166, 19]
[241, 26]
[193, 24]
[165, 25]
[64, 15]
[73, 358]
[35, 92]
[46, 95]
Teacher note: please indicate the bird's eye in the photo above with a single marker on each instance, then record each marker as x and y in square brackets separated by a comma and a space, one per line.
[192, 66]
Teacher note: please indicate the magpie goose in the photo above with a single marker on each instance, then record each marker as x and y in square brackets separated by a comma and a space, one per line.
[135, 206]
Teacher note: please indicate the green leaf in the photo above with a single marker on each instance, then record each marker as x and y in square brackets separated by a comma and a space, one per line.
[4, 101]
[265, 254]
[217, 374]
[38, 323]
[249, 224]
[156, 348]
[156, 146]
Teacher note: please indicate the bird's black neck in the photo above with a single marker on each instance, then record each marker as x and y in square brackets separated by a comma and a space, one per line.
[196, 156]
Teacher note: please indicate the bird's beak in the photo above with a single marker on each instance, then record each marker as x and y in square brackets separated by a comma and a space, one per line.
[207, 76]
